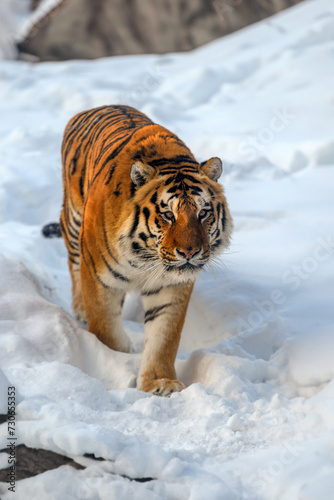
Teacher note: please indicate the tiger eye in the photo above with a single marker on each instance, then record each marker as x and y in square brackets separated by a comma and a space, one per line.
[202, 213]
[169, 215]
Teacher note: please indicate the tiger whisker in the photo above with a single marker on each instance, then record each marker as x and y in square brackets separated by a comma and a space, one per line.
[151, 279]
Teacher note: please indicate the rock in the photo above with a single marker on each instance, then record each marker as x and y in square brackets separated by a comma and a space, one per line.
[30, 462]
[88, 29]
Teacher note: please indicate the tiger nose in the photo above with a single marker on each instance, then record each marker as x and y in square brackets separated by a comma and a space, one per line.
[187, 253]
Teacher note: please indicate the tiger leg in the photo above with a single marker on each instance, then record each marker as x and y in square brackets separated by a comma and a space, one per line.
[164, 317]
[70, 227]
[104, 310]
[78, 304]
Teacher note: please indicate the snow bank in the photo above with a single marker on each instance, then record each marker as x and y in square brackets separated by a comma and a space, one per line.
[256, 420]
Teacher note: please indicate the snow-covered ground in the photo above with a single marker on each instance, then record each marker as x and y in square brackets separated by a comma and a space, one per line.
[257, 353]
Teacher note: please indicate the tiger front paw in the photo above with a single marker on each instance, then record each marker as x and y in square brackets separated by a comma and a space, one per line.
[162, 386]
[79, 311]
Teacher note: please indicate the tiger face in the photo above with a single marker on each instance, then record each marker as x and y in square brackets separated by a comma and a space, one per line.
[181, 219]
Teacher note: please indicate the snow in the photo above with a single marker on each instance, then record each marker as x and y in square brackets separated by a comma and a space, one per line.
[256, 420]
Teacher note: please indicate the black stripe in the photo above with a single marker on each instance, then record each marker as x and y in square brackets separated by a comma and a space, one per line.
[216, 232]
[136, 247]
[144, 253]
[170, 171]
[117, 191]
[218, 211]
[223, 217]
[110, 172]
[113, 272]
[191, 178]
[106, 239]
[69, 228]
[135, 221]
[153, 313]
[66, 232]
[74, 255]
[171, 197]
[169, 181]
[82, 180]
[132, 189]
[154, 197]
[152, 292]
[216, 244]
[196, 190]
[143, 237]
[174, 160]
[77, 222]
[74, 165]
[146, 213]
[85, 249]
[190, 170]
[173, 189]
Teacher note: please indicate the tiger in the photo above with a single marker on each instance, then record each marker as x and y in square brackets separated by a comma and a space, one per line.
[141, 214]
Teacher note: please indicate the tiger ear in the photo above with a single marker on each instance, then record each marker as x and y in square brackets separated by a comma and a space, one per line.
[141, 173]
[213, 168]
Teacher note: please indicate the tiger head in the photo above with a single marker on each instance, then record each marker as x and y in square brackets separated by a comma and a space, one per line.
[181, 218]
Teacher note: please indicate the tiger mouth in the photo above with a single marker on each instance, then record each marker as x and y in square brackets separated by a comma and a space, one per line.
[187, 266]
